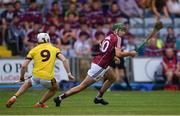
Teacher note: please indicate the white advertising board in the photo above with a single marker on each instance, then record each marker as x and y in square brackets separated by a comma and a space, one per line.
[144, 68]
[10, 70]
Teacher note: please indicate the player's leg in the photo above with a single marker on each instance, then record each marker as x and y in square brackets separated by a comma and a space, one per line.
[169, 74]
[110, 78]
[22, 89]
[122, 72]
[84, 84]
[94, 74]
[52, 88]
[125, 78]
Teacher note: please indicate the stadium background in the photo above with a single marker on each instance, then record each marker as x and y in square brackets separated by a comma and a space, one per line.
[67, 20]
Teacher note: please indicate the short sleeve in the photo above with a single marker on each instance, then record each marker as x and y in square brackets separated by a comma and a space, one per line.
[30, 55]
[57, 51]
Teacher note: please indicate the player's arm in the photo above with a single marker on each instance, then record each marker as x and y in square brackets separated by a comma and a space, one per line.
[23, 68]
[66, 65]
[120, 53]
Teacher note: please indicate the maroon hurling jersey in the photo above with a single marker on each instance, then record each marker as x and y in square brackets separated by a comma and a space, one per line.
[107, 51]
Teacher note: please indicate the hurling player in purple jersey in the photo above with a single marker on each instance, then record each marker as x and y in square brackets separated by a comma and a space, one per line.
[109, 48]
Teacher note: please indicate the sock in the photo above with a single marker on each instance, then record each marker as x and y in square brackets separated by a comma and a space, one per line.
[40, 103]
[99, 95]
[126, 81]
[14, 96]
[62, 96]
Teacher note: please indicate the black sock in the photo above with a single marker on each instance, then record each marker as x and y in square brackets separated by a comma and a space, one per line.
[40, 103]
[126, 81]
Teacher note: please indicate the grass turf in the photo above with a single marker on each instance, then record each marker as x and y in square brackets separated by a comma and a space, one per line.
[126, 103]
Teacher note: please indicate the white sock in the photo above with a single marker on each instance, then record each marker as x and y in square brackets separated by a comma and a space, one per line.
[14, 97]
[60, 98]
[97, 97]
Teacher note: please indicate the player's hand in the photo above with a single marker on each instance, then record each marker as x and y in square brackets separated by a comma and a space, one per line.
[71, 77]
[22, 79]
[133, 53]
[117, 60]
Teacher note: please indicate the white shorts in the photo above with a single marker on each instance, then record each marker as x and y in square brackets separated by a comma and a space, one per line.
[96, 72]
[45, 83]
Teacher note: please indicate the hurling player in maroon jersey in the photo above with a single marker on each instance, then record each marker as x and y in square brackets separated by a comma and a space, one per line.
[109, 48]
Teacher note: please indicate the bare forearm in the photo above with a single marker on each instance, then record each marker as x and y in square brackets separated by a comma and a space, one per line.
[66, 66]
[120, 53]
[23, 70]
[125, 54]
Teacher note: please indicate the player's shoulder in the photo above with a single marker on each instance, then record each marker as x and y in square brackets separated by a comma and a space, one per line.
[111, 38]
[53, 48]
[34, 48]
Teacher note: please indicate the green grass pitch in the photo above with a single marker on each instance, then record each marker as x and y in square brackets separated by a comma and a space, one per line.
[126, 103]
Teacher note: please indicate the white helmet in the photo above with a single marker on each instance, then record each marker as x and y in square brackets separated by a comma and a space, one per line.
[43, 38]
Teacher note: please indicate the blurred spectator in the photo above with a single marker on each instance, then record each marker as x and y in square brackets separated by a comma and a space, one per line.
[154, 47]
[55, 38]
[152, 7]
[99, 29]
[170, 41]
[2, 7]
[17, 8]
[82, 46]
[67, 28]
[174, 8]
[131, 45]
[169, 64]
[160, 7]
[32, 14]
[96, 14]
[72, 20]
[8, 15]
[15, 36]
[72, 9]
[6, 18]
[114, 13]
[85, 13]
[30, 40]
[126, 24]
[48, 4]
[146, 5]
[84, 28]
[67, 42]
[99, 37]
[130, 8]
[54, 16]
